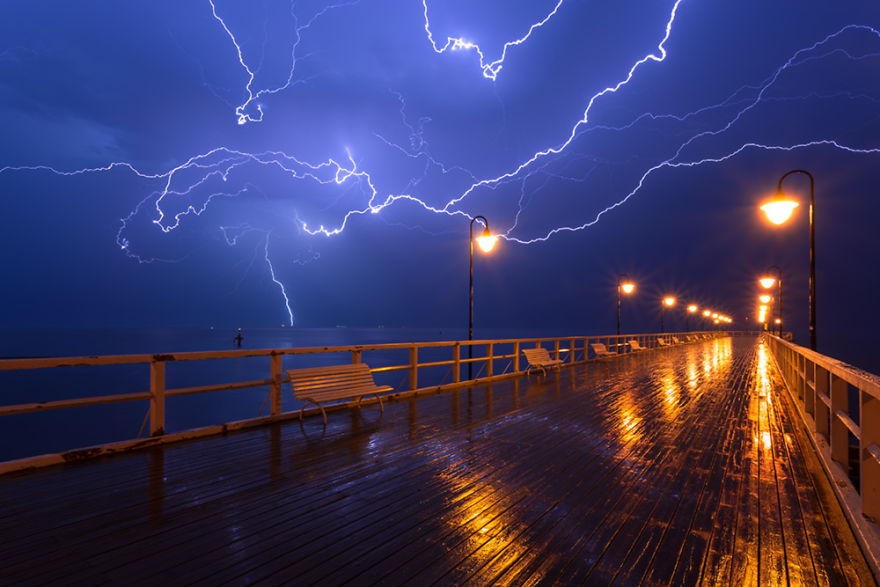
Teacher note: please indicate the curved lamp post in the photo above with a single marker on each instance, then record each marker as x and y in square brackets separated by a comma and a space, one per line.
[778, 211]
[486, 241]
[767, 282]
[667, 301]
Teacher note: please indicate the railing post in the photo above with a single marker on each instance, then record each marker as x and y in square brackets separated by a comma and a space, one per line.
[839, 431]
[870, 451]
[157, 398]
[490, 360]
[810, 395]
[456, 362]
[414, 368]
[275, 391]
[355, 357]
[516, 357]
[821, 413]
[571, 350]
[556, 347]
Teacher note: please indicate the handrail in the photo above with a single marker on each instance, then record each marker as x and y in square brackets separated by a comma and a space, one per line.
[157, 391]
[839, 406]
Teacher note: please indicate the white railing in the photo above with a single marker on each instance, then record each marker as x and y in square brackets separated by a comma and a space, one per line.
[840, 407]
[500, 358]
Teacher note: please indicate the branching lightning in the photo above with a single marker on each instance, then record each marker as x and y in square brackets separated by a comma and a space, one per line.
[186, 191]
[493, 68]
[254, 96]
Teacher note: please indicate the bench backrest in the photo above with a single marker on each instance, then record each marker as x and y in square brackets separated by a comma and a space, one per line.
[315, 380]
[598, 347]
[537, 355]
[635, 344]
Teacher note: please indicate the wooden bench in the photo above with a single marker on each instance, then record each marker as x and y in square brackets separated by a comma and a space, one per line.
[662, 342]
[601, 350]
[539, 358]
[635, 346]
[338, 382]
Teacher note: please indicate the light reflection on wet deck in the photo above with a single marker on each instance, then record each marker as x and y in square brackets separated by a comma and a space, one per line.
[673, 467]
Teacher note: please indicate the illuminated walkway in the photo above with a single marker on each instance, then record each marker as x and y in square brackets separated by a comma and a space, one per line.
[679, 466]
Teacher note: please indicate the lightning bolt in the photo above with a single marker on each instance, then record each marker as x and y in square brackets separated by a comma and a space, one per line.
[490, 69]
[186, 191]
[671, 162]
[254, 97]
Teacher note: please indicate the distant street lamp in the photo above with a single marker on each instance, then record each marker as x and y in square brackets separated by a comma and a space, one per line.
[692, 309]
[778, 211]
[767, 282]
[486, 242]
[627, 286]
[668, 301]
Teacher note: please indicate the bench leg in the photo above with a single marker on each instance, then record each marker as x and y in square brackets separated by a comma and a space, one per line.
[378, 397]
[320, 407]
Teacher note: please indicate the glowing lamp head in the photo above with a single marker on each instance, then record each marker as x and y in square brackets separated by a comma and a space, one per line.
[628, 287]
[767, 282]
[778, 321]
[765, 299]
[779, 209]
[707, 313]
[669, 301]
[486, 241]
[692, 308]
[714, 315]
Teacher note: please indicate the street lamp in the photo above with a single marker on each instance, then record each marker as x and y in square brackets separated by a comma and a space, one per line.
[778, 211]
[767, 282]
[486, 242]
[692, 309]
[668, 301]
[627, 286]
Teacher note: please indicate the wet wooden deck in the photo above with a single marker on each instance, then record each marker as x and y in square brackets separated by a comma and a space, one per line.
[675, 467]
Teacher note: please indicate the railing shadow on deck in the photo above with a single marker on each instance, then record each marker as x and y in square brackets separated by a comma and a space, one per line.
[496, 359]
[839, 406]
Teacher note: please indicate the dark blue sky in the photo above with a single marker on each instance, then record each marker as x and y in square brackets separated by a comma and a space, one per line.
[355, 104]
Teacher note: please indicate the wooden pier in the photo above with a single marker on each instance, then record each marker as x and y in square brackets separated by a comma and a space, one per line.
[680, 466]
